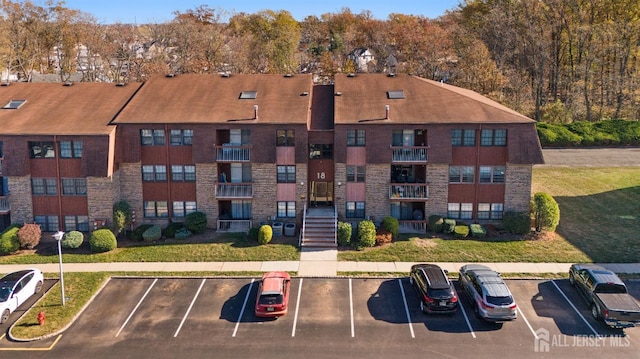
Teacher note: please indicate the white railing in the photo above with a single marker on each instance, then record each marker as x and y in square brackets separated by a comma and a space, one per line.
[408, 191]
[234, 225]
[304, 220]
[5, 205]
[229, 153]
[412, 226]
[234, 190]
[409, 154]
[335, 225]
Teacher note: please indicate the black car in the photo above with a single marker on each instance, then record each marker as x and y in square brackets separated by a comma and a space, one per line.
[435, 290]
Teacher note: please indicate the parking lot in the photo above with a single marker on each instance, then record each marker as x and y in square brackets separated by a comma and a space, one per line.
[328, 318]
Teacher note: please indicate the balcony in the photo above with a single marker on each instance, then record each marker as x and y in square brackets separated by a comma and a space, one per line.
[5, 205]
[412, 226]
[233, 153]
[228, 190]
[409, 191]
[414, 154]
[234, 225]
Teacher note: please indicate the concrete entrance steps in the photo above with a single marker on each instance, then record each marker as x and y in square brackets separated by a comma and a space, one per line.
[319, 229]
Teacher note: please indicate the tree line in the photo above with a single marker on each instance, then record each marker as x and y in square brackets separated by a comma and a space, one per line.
[553, 60]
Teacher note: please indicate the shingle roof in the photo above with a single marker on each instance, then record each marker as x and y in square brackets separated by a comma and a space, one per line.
[196, 98]
[55, 109]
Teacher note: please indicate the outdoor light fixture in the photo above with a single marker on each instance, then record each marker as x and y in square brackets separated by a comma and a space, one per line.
[58, 237]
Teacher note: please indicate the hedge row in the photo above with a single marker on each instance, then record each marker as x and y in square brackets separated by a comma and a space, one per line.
[584, 133]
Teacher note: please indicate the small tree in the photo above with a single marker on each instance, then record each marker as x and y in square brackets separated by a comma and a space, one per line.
[196, 222]
[546, 212]
[121, 216]
[345, 231]
[29, 235]
[366, 234]
[265, 234]
[72, 239]
[392, 225]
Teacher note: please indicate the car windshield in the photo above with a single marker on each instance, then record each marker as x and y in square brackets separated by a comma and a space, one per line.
[270, 299]
[440, 293]
[4, 293]
[610, 288]
[499, 300]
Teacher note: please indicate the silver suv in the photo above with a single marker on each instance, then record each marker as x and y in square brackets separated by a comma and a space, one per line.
[488, 293]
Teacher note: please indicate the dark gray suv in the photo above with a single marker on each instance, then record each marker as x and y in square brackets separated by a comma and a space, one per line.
[488, 293]
[434, 289]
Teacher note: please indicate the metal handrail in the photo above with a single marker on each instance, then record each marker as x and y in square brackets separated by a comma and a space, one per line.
[304, 220]
[335, 225]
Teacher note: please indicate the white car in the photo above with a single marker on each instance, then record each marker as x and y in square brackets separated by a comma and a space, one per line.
[16, 288]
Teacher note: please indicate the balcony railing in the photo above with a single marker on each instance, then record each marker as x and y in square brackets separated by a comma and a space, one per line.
[414, 154]
[233, 153]
[234, 225]
[412, 226]
[408, 191]
[5, 205]
[234, 190]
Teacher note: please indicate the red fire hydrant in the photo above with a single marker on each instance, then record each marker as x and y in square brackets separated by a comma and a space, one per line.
[41, 318]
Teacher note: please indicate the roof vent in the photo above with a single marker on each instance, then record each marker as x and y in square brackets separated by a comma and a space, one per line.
[338, 93]
[172, 75]
[67, 83]
[226, 74]
[391, 74]
[351, 74]
[120, 84]
[386, 112]
[304, 94]
[288, 75]
[5, 84]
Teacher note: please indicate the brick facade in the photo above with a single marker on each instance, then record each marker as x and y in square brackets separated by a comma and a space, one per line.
[438, 182]
[206, 179]
[21, 205]
[102, 193]
[517, 191]
[377, 189]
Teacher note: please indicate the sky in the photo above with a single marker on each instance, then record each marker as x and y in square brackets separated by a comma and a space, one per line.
[158, 11]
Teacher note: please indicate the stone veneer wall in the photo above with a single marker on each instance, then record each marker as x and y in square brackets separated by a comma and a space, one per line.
[20, 199]
[102, 193]
[438, 182]
[377, 191]
[301, 191]
[340, 192]
[264, 192]
[517, 188]
[206, 179]
[130, 188]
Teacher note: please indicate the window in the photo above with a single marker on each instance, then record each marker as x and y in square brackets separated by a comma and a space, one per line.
[463, 137]
[395, 94]
[461, 174]
[70, 149]
[182, 208]
[157, 173]
[460, 210]
[490, 210]
[47, 223]
[44, 187]
[14, 104]
[74, 186]
[152, 137]
[355, 210]
[76, 223]
[355, 173]
[156, 209]
[490, 174]
[42, 150]
[320, 152]
[287, 209]
[186, 173]
[490, 137]
[286, 174]
[285, 138]
[181, 137]
[355, 138]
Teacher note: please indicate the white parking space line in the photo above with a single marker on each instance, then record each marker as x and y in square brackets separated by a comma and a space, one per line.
[406, 308]
[353, 333]
[136, 307]
[526, 321]
[295, 317]
[575, 309]
[246, 298]
[189, 309]
[466, 319]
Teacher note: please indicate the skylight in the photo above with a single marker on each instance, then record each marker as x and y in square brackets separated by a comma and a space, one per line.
[14, 104]
[248, 95]
[395, 94]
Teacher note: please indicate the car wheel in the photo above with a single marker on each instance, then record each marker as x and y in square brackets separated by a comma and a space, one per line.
[5, 316]
[38, 287]
[572, 280]
[595, 313]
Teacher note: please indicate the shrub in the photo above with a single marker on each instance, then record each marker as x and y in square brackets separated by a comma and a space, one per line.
[366, 234]
[102, 240]
[72, 240]
[345, 231]
[136, 235]
[196, 222]
[448, 225]
[183, 233]
[517, 222]
[152, 233]
[435, 223]
[172, 228]
[392, 225]
[9, 242]
[461, 231]
[265, 234]
[29, 235]
[546, 212]
[253, 233]
[477, 230]
[121, 216]
[383, 237]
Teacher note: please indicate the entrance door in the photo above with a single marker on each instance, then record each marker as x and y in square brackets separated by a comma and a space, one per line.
[321, 175]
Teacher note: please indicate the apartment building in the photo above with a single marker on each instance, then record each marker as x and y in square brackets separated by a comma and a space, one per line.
[248, 149]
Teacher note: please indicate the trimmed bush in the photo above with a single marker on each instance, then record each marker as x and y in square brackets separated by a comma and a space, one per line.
[391, 225]
[448, 225]
[345, 231]
[153, 233]
[136, 235]
[72, 240]
[546, 212]
[172, 228]
[253, 233]
[196, 222]
[9, 242]
[517, 222]
[477, 230]
[29, 235]
[366, 234]
[265, 234]
[183, 233]
[461, 231]
[435, 223]
[102, 240]
[383, 237]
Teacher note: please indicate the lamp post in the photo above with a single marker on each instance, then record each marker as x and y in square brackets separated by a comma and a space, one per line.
[58, 236]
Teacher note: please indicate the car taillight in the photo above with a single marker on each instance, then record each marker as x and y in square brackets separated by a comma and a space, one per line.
[428, 300]
[605, 314]
[513, 307]
[454, 299]
[486, 305]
